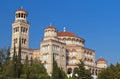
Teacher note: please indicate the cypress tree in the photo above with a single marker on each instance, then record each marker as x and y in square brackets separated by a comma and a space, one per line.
[31, 61]
[57, 72]
[19, 51]
[26, 67]
[14, 62]
[19, 65]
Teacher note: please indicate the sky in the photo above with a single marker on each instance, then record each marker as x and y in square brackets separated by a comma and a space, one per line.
[97, 21]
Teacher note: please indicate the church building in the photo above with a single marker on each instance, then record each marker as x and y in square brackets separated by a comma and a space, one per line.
[66, 47]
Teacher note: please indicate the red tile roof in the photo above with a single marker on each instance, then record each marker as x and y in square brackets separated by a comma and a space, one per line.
[52, 27]
[101, 59]
[66, 34]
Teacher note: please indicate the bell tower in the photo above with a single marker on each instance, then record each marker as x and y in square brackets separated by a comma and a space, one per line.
[20, 29]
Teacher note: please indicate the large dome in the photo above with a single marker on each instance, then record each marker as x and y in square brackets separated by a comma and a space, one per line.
[66, 34]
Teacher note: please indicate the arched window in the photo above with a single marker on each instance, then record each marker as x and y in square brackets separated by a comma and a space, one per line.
[14, 30]
[26, 30]
[75, 71]
[74, 53]
[69, 70]
[63, 57]
[19, 15]
[74, 60]
[23, 29]
[22, 15]
[45, 56]
[56, 56]
[24, 41]
[15, 40]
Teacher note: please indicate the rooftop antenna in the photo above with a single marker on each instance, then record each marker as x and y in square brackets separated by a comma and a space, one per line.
[64, 29]
[50, 24]
[100, 56]
[21, 7]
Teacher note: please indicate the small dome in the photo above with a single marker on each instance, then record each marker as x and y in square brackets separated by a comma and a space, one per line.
[101, 60]
[66, 34]
[51, 27]
[21, 10]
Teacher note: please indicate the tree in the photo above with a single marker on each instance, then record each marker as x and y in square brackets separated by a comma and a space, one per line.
[2, 57]
[19, 65]
[7, 57]
[34, 71]
[38, 71]
[57, 72]
[25, 69]
[81, 73]
[112, 72]
[9, 65]
[31, 61]
[13, 65]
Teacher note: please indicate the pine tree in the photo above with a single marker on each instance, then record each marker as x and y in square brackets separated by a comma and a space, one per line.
[111, 72]
[81, 72]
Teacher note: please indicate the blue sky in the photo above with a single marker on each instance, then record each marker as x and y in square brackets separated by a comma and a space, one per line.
[97, 21]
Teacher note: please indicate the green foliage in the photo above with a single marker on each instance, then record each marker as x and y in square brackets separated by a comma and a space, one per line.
[57, 73]
[14, 69]
[112, 72]
[34, 71]
[81, 73]
[19, 51]
[1, 62]
[5, 61]
[19, 65]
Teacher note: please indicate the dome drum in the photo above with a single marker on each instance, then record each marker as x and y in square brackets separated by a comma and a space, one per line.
[71, 40]
[101, 60]
[50, 31]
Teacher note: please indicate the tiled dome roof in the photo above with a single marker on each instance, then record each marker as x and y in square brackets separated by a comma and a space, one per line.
[52, 27]
[101, 59]
[66, 34]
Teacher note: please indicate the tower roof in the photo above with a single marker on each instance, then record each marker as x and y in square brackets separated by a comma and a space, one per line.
[21, 10]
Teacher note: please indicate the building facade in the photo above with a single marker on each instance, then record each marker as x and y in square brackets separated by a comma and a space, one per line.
[66, 47]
